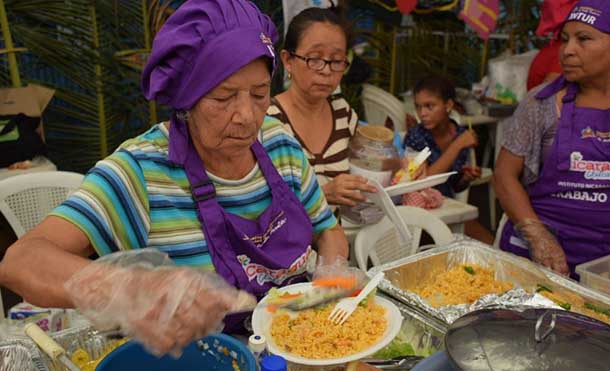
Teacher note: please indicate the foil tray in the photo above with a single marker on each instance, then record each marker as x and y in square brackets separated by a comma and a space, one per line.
[424, 334]
[403, 275]
[19, 353]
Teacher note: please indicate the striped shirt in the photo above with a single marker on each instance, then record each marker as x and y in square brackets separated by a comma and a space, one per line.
[334, 158]
[137, 198]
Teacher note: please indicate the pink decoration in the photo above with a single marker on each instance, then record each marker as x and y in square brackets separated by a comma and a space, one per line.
[481, 15]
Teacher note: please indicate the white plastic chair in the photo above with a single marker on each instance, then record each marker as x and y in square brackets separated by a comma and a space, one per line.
[486, 177]
[503, 220]
[380, 104]
[379, 242]
[26, 199]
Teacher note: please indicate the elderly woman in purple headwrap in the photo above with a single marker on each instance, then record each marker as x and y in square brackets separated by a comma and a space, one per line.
[553, 173]
[219, 188]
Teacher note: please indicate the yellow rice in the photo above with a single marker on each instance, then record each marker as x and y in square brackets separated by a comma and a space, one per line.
[311, 335]
[457, 286]
[577, 304]
[86, 362]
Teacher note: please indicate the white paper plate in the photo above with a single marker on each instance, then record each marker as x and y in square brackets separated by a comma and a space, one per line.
[431, 181]
[261, 324]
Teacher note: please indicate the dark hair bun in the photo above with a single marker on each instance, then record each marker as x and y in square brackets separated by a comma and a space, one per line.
[301, 22]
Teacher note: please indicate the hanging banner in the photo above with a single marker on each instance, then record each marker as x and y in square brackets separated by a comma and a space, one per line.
[406, 6]
[294, 7]
[481, 15]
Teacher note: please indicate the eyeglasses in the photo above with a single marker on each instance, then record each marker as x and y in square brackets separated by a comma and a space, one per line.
[318, 64]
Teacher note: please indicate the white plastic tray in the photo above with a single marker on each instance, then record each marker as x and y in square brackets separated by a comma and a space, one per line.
[431, 181]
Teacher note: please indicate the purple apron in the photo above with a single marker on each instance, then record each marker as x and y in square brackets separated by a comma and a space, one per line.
[253, 255]
[571, 196]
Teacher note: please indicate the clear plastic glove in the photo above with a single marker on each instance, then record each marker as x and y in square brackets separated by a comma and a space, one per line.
[340, 272]
[544, 247]
[163, 306]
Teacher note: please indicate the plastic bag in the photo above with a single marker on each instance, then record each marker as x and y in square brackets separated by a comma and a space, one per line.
[147, 297]
[339, 269]
[508, 77]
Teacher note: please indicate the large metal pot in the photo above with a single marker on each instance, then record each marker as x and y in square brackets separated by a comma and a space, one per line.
[533, 339]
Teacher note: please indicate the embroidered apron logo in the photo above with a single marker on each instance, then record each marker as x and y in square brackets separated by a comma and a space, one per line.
[264, 275]
[588, 133]
[592, 169]
[580, 185]
[277, 223]
[595, 197]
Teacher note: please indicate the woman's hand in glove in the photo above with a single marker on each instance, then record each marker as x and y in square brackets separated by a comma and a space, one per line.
[163, 307]
[544, 247]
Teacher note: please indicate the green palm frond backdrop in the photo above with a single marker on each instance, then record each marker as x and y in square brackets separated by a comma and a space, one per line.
[92, 53]
[73, 42]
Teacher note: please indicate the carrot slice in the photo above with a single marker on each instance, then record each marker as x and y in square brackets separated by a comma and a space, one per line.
[290, 296]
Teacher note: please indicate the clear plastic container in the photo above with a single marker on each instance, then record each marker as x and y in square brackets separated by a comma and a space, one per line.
[258, 346]
[596, 274]
[372, 149]
[372, 155]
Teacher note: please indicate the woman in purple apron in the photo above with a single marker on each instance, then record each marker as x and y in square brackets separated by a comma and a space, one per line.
[219, 188]
[220, 134]
[562, 219]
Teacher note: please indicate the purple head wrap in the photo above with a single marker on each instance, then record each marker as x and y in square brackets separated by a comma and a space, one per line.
[595, 13]
[200, 45]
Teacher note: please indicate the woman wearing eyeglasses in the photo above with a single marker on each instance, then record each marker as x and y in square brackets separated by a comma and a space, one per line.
[315, 60]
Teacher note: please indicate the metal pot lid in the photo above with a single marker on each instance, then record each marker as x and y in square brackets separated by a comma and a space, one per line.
[533, 339]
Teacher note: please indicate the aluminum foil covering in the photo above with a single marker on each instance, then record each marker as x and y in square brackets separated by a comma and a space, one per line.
[404, 274]
[516, 298]
[423, 335]
[84, 338]
[21, 354]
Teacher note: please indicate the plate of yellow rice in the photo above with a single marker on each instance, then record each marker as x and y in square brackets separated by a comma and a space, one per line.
[309, 338]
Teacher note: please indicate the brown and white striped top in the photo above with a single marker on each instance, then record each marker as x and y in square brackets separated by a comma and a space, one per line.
[333, 160]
